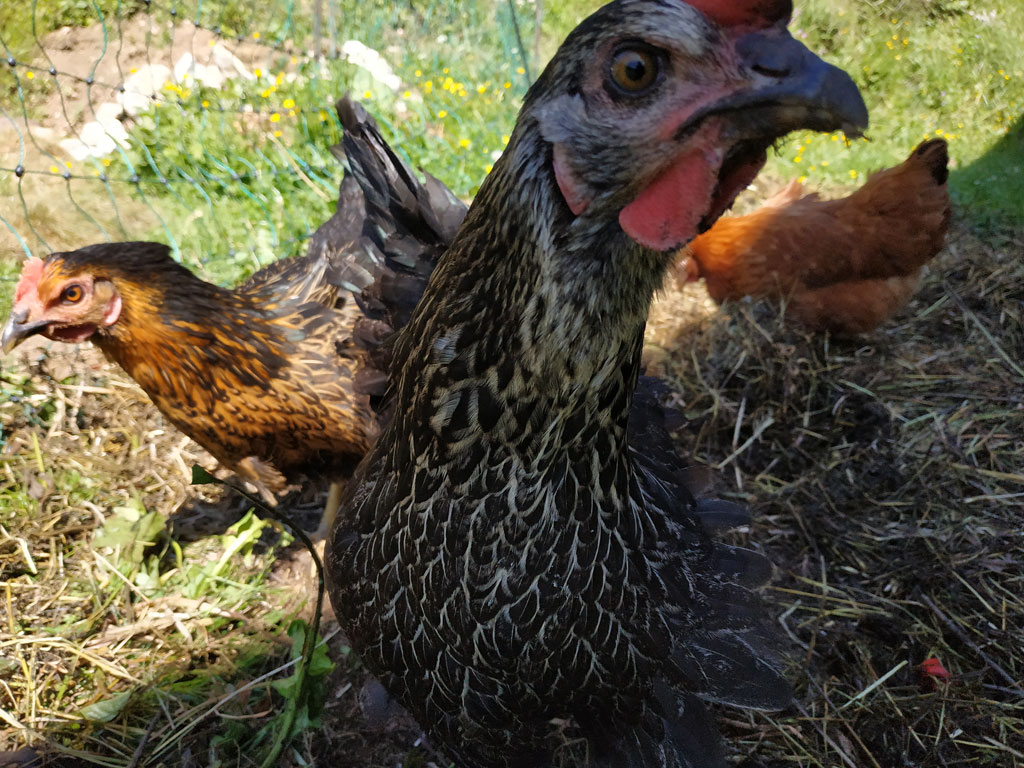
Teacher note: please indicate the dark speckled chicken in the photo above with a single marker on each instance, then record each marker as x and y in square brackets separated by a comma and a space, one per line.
[522, 559]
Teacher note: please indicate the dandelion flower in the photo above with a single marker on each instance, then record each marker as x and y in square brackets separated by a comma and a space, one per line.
[29, 75]
[274, 118]
[465, 143]
[289, 104]
[443, 113]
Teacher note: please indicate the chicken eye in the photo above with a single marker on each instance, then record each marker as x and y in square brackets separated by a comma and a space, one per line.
[72, 294]
[634, 70]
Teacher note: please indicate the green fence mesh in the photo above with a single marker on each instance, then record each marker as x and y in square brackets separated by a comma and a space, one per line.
[207, 124]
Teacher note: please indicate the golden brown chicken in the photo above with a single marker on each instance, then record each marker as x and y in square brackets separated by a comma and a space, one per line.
[262, 376]
[841, 265]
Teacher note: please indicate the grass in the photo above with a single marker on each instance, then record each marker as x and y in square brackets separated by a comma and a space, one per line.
[147, 621]
[947, 68]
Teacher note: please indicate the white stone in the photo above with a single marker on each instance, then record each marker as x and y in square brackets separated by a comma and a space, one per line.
[99, 140]
[76, 149]
[228, 63]
[141, 86]
[366, 58]
[184, 67]
[187, 70]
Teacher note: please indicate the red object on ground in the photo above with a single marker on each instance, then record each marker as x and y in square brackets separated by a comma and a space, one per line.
[932, 670]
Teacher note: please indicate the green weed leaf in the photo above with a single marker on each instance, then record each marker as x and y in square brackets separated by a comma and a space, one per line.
[106, 710]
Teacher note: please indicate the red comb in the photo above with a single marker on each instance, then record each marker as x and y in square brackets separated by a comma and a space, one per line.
[31, 272]
[745, 13]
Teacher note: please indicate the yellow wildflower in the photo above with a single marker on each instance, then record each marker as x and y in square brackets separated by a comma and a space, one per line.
[275, 118]
[289, 104]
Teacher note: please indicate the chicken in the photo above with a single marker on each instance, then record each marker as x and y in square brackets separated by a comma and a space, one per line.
[522, 559]
[261, 376]
[844, 265]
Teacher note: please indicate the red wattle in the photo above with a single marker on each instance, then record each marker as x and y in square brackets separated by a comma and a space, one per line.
[668, 211]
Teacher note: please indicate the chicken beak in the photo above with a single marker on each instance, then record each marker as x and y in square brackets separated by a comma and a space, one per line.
[18, 329]
[791, 89]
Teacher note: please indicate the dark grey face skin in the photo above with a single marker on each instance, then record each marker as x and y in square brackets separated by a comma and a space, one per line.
[522, 545]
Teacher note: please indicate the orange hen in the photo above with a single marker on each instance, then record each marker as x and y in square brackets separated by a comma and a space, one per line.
[844, 265]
